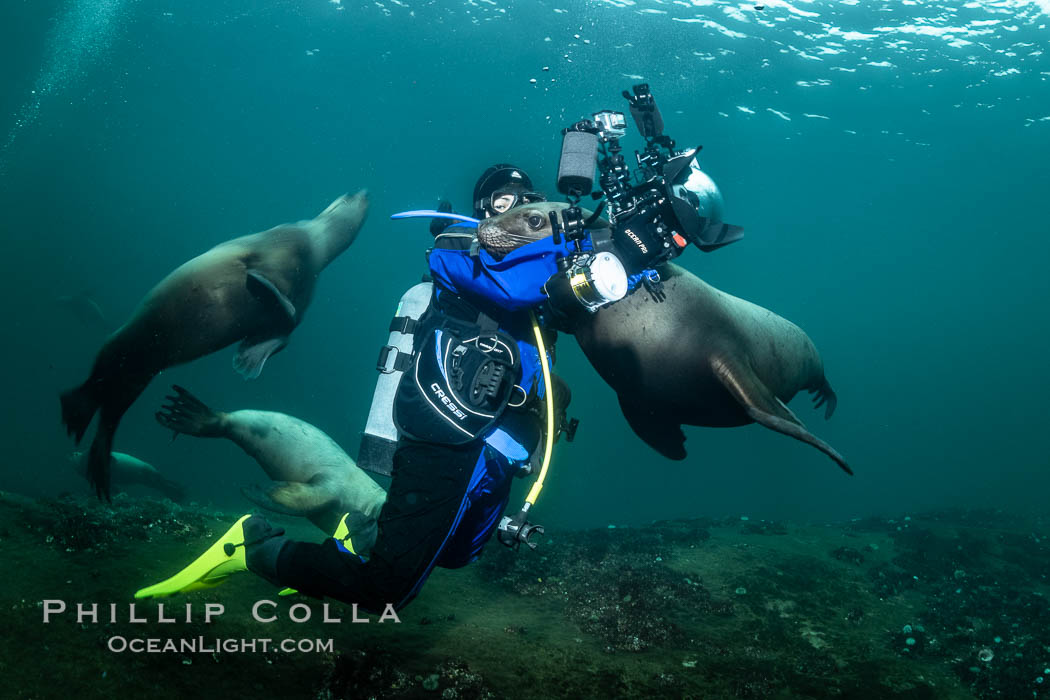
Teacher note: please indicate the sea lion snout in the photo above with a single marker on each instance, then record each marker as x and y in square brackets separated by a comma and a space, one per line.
[359, 198]
[520, 226]
[349, 209]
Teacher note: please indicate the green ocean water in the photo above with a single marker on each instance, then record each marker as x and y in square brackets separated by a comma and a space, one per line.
[887, 159]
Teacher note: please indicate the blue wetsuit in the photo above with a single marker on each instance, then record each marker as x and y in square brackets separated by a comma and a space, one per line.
[444, 501]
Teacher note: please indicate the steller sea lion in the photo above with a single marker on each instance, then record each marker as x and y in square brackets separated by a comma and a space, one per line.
[86, 309]
[126, 470]
[313, 477]
[253, 289]
[700, 357]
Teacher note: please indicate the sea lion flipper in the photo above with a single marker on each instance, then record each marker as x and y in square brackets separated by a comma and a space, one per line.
[254, 352]
[267, 293]
[185, 413]
[292, 497]
[824, 394]
[766, 409]
[798, 432]
[792, 417]
[100, 462]
[660, 432]
[78, 409]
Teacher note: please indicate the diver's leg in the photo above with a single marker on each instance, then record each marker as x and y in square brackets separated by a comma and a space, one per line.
[425, 503]
[488, 500]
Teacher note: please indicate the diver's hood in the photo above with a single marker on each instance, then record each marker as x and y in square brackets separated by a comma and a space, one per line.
[697, 203]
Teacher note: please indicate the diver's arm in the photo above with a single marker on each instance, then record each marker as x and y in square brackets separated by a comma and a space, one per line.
[515, 287]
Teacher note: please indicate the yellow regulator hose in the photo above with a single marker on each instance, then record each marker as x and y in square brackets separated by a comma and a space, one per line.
[534, 493]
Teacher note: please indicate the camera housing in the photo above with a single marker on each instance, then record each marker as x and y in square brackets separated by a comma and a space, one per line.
[655, 213]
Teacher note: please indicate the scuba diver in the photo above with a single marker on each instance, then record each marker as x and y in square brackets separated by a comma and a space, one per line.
[466, 395]
[464, 411]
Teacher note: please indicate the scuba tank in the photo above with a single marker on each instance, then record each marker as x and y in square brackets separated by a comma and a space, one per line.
[379, 439]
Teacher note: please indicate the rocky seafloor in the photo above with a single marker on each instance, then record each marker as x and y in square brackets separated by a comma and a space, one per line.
[949, 604]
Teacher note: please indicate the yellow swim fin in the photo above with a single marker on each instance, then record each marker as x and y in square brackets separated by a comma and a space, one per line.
[219, 562]
[342, 533]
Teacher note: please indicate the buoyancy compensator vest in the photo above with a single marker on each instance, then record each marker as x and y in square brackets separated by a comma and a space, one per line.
[447, 374]
[464, 372]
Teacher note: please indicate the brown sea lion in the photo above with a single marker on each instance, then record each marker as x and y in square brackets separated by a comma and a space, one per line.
[253, 289]
[700, 357]
[86, 310]
[126, 470]
[312, 476]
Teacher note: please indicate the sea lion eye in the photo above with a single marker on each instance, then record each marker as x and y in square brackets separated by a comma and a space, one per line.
[535, 222]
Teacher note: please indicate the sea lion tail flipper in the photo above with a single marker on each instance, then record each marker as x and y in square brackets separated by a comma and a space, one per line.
[766, 409]
[292, 497]
[78, 408]
[253, 354]
[99, 461]
[824, 394]
[185, 413]
[267, 293]
[660, 431]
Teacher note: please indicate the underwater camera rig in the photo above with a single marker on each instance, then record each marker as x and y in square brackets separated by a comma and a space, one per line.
[670, 204]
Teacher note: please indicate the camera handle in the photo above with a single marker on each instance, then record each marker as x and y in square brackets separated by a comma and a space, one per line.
[569, 223]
